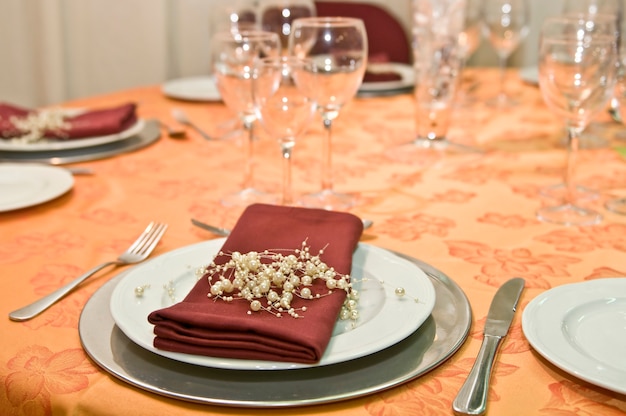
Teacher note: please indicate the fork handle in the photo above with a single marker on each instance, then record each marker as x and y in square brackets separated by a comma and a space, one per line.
[35, 308]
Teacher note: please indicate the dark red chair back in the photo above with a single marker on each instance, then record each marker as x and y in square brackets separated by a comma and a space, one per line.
[386, 37]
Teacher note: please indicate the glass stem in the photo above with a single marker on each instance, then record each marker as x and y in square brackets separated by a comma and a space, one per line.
[573, 139]
[248, 178]
[502, 93]
[327, 175]
[286, 148]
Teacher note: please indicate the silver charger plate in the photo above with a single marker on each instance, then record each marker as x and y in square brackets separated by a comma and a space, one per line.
[439, 337]
[148, 135]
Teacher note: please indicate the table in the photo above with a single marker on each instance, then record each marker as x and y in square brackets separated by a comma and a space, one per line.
[470, 215]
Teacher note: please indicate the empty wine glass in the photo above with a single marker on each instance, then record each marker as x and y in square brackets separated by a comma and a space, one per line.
[284, 106]
[594, 135]
[577, 72]
[505, 24]
[234, 56]
[337, 47]
[278, 15]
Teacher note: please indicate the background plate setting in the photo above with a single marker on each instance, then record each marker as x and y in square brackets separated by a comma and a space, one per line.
[581, 328]
[25, 185]
[381, 322]
[437, 339]
[192, 89]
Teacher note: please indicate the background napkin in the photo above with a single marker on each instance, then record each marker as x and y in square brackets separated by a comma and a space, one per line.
[204, 326]
[99, 122]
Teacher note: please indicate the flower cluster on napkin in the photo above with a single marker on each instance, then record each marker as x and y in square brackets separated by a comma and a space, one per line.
[212, 327]
[95, 122]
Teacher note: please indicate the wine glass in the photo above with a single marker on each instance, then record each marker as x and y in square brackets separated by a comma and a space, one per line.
[577, 73]
[337, 47]
[593, 137]
[469, 39]
[235, 16]
[284, 106]
[505, 24]
[234, 56]
[278, 15]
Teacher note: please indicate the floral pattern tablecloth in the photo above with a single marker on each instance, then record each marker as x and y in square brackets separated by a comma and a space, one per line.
[468, 214]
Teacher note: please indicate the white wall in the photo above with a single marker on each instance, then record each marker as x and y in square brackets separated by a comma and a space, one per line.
[55, 50]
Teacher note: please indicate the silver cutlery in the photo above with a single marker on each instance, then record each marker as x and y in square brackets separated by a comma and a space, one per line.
[224, 232]
[182, 118]
[80, 171]
[172, 132]
[138, 251]
[472, 398]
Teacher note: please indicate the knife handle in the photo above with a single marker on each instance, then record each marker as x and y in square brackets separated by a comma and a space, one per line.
[472, 398]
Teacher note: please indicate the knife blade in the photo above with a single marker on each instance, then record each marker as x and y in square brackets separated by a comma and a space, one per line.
[472, 397]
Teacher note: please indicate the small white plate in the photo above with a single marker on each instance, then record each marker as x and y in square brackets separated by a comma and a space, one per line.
[382, 320]
[25, 185]
[581, 328]
[405, 71]
[530, 75]
[52, 145]
[192, 89]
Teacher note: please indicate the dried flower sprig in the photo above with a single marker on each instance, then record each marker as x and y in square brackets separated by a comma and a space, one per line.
[270, 280]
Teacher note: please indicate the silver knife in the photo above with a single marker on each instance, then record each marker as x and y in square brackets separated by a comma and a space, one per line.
[472, 398]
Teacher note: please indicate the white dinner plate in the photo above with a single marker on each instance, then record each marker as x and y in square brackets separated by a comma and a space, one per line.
[192, 89]
[405, 71]
[25, 185]
[47, 145]
[530, 75]
[382, 321]
[581, 328]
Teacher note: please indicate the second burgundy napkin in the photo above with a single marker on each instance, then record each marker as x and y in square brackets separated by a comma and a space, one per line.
[96, 122]
[213, 327]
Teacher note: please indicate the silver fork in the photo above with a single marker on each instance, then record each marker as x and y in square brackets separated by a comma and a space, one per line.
[138, 251]
[182, 118]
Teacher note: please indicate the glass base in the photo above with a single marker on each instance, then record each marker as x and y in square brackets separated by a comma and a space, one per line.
[418, 150]
[617, 205]
[569, 214]
[559, 192]
[248, 196]
[502, 102]
[328, 200]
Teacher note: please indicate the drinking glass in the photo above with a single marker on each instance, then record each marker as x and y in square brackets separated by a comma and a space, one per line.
[284, 106]
[234, 56]
[337, 47]
[506, 24]
[235, 15]
[594, 136]
[577, 73]
[439, 53]
[278, 16]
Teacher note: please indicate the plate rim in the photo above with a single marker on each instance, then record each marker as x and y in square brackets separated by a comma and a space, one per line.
[61, 180]
[103, 342]
[407, 81]
[79, 143]
[554, 352]
[125, 290]
[168, 88]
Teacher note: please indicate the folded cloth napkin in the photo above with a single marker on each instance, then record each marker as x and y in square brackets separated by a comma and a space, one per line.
[98, 122]
[213, 327]
[386, 76]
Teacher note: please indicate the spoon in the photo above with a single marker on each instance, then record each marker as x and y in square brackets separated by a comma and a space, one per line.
[181, 117]
[224, 232]
[172, 132]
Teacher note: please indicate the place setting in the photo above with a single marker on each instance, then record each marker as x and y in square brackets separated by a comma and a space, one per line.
[67, 135]
[172, 326]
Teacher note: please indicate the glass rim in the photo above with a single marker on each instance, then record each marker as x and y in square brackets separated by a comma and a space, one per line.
[254, 34]
[327, 21]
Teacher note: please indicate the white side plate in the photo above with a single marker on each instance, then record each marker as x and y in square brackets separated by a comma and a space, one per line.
[581, 328]
[25, 185]
[192, 89]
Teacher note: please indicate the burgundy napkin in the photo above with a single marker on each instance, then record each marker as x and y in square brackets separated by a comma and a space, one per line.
[205, 326]
[98, 122]
[386, 76]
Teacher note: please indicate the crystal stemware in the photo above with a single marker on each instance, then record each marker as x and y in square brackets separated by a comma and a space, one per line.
[577, 73]
[234, 56]
[506, 24]
[278, 15]
[284, 107]
[337, 47]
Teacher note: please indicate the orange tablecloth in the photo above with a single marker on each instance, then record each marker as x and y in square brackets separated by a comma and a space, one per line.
[469, 215]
